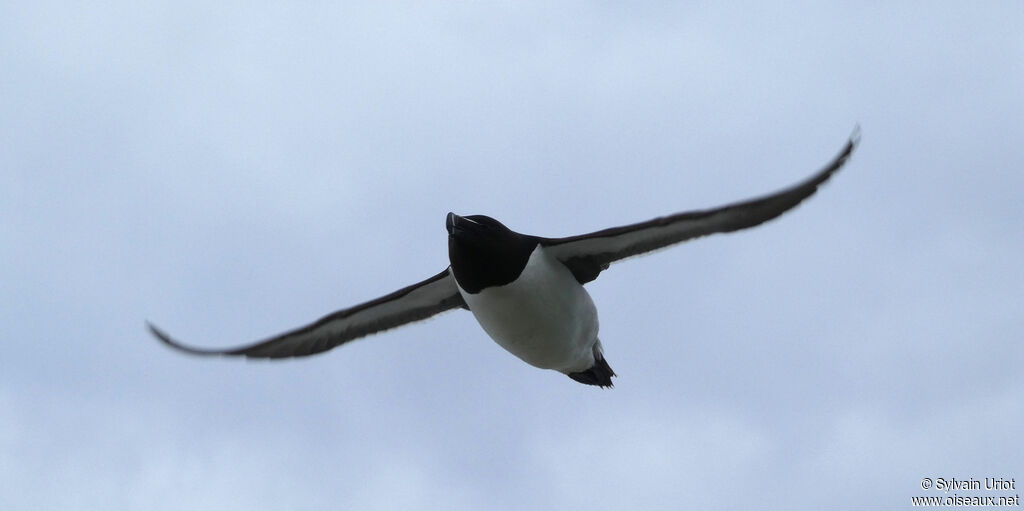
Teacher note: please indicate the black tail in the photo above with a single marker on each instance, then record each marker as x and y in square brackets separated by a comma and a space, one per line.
[599, 374]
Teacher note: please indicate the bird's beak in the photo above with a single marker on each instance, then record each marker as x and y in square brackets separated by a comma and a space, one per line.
[450, 222]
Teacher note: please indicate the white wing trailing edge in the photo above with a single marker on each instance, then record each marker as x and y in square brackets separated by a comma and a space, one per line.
[413, 303]
[588, 254]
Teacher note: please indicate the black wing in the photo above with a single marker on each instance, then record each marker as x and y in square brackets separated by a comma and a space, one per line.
[587, 255]
[416, 302]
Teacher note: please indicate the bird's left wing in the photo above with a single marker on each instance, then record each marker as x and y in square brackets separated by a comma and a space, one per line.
[413, 303]
[588, 254]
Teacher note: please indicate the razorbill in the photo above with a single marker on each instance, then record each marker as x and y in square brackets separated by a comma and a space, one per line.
[526, 291]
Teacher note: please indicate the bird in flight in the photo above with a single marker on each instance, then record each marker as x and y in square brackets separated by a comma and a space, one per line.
[526, 291]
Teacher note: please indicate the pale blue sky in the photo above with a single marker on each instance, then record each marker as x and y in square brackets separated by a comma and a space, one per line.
[234, 170]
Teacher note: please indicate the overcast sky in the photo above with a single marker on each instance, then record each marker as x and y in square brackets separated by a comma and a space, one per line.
[231, 170]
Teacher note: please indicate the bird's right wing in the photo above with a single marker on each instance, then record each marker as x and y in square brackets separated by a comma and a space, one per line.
[413, 303]
[588, 254]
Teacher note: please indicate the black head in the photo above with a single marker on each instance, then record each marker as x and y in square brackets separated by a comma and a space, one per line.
[484, 253]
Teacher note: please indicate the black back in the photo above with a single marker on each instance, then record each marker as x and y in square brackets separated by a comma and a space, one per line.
[484, 253]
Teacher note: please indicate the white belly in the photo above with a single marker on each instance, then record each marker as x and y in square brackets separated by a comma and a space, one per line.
[545, 317]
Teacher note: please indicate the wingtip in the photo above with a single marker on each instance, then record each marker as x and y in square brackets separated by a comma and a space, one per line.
[840, 160]
[854, 137]
[159, 334]
[169, 341]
